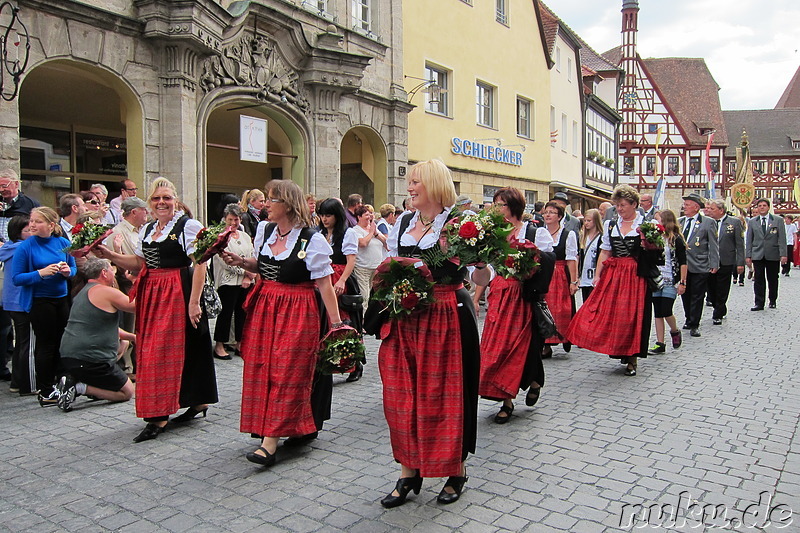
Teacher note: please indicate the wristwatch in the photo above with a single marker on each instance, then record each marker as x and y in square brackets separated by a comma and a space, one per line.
[682, 283]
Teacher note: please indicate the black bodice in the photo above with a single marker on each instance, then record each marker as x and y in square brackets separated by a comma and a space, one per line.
[443, 271]
[293, 269]
[625, 246]
[168, 253]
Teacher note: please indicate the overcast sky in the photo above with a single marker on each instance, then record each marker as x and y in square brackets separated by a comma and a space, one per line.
[750, 46]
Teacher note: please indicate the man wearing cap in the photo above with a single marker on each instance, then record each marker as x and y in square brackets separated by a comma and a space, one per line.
[702, 258]
[464, 204]
[569, 223]
[766, 251]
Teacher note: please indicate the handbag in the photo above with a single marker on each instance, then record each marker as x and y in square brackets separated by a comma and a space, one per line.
[655, 283]
[374, 317]
[209, 299]
[351, 302]
[545, 323]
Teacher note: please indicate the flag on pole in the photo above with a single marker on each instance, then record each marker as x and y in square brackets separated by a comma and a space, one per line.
[711, 190]
[661, 182]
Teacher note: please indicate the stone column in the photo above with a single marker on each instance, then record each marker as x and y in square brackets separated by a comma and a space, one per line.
[9, 135]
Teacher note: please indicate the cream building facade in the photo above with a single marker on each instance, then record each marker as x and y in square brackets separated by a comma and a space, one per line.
[143, 88]
[477, 74]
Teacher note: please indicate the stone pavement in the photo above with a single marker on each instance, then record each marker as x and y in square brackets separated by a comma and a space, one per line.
[712, 424]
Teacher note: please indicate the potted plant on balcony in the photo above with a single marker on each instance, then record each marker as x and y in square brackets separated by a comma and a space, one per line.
[593, 155]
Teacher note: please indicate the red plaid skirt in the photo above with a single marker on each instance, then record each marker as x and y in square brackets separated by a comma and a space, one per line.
[610, 321]
[420, 362]
[337, 273]
[560, 302]
[506, 339]
[161, 335]
[279, 348]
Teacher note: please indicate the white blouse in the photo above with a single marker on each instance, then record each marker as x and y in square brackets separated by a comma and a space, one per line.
[428, 240]
[190, 231]
[572, 243]
[350, 242]
[318, 251]
[605, 244]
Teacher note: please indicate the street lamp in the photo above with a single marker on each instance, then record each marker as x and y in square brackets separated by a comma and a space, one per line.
[433, 89]
[11, 38]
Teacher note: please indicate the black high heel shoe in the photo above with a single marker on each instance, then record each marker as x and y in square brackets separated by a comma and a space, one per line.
[457, 484]
[150, 432]
[190, 414]
[403, 487]
[356, 374]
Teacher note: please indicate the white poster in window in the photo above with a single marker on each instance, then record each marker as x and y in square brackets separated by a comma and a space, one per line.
[252, 139]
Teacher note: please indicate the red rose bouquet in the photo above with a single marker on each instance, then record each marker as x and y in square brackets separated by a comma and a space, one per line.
[403, 285]
[652, 235]
[211, 241]
[85, 237]
[478, 238]
[522, 262]
[340, 350]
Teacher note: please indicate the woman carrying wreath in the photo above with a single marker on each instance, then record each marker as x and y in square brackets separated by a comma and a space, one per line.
[615, 320]
[564, 284]
[429, 361]
[511, 346]
[344, 242]
[282, 335]
[175, 367]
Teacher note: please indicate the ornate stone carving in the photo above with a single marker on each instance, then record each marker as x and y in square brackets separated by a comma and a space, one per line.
[253, 61]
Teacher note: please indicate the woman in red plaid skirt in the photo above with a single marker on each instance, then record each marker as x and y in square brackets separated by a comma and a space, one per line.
[564, 284]
[175, 366]
[430, 361]
[282, 335]
[615, 320]
[511, 347]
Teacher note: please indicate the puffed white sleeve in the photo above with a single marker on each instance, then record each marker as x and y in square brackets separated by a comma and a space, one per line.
[138, 251]
[190, 231]
[258, 240]
[393, 241]
[605, 241]
[318, 257]
[572, 247]
[544, 241]
[350, 242]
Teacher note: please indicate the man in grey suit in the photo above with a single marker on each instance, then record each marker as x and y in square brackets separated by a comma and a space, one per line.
[646, 207]
[766, 250]
[569, 222]
[702, 258]
[731, 258]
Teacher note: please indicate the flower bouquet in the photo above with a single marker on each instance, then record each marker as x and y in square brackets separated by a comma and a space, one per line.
[85, 237]
[478, 238]
[522, 262]
[402, 285]
[652, 235]
[340, 350]
[211, 241]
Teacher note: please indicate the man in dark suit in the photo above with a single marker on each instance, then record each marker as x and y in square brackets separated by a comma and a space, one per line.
[766, 250]
[702, 258]
[731, 257]
[569, 222]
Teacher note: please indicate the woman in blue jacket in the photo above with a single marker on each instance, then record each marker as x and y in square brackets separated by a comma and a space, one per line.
[41, 268]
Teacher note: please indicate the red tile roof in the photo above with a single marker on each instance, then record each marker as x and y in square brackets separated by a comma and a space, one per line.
[791, 96]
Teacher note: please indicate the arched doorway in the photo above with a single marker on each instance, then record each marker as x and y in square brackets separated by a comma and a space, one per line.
[79, 124]
[364, 166]
[226, 173]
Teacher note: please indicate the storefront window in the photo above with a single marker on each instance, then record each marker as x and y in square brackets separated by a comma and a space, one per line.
[97, 154]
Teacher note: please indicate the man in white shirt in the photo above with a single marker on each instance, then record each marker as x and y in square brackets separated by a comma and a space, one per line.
[70, 207]
[791, 230]
[128, 190]
[765, 249]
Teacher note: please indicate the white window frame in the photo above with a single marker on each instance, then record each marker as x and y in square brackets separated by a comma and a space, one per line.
[442, 79]
[525, 125]
[569, 69]
[563, 132]
[558, 58]
[481, 107]
[501, 11]
[575, 138]
[362, 15]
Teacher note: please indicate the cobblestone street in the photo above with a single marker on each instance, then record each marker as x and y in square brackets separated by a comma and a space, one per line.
[713, 423]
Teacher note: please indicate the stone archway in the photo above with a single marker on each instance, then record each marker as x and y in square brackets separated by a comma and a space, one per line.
[79, 123]
[364, 165]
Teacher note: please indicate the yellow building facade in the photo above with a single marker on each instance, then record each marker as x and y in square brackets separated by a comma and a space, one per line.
[478, 74]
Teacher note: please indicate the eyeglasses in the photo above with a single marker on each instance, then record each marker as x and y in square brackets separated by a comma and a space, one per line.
[276, 200]
[6, 185]
[161, 198]
[93, 202]
[131, 188]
